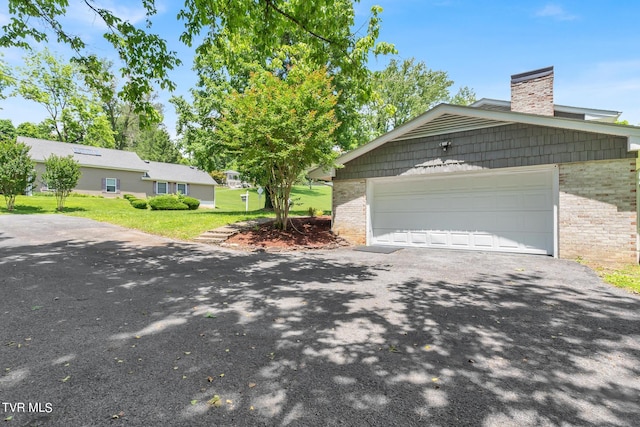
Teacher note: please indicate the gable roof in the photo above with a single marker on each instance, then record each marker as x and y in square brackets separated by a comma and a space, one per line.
[85, 155]
[107, 158]
[158, 171]
[446, 118]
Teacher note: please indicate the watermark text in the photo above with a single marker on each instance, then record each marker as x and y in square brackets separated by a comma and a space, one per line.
[27, 407]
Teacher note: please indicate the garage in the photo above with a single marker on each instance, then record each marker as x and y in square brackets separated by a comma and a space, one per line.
[507, 211]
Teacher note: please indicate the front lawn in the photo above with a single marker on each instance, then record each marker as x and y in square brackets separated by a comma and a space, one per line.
[184, 225]
[627, 277]
[303, 198]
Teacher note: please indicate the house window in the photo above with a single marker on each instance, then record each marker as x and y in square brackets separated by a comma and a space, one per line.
[111, 185]
[162, 188]
[181, 188]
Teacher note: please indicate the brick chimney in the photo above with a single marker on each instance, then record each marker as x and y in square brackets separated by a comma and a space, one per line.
[532, 92]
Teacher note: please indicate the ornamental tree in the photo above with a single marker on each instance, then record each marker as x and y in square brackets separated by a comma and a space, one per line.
[17, 171]
[61, 174]
[280, 127]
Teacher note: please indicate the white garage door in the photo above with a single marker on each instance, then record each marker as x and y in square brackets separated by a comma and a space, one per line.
[505, 212]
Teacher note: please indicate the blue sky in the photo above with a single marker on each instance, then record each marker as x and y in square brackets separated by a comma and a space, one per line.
[593, 45]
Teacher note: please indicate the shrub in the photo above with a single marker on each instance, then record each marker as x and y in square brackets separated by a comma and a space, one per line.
[167, 203]
[17, 171]
[61, 173]
[313, 212]
[129, 197]
[192, 202]
[219, 176]
[138, 203]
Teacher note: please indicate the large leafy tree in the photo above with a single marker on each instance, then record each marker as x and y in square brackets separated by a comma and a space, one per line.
[245, 36]
[7, 131]
[127, 126]
[280, 127]
[223, 27]
[17, 171]
[155, 144]
[41, 130]
[145, 57]
[74, 111]
[6, 79]
[404, 90]
[62, 174]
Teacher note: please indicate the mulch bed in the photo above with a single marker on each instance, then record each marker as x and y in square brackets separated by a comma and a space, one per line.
[301, 233]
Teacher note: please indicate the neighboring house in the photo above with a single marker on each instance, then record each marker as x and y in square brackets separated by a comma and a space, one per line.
[233, 179]
[524, 176]
[169, 178]
[112, 173]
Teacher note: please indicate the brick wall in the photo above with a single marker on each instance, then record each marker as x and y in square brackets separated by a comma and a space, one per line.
[597, 211]
[349, 210]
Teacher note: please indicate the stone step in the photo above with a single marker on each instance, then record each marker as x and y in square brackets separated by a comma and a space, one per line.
[217, 234]
[214, 240]
[220, 235]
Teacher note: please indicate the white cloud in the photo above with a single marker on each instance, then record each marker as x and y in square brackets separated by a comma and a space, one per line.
[557, 12]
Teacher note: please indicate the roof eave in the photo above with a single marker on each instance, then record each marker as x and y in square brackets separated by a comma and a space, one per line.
[500, 117]
[107, 167]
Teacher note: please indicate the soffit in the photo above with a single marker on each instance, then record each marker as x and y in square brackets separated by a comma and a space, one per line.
[450, 123]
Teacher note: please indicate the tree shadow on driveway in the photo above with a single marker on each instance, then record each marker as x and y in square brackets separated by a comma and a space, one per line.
[111, 332]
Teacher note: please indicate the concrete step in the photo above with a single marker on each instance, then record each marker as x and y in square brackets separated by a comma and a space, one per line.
[210, 240]
[220, 235]
[217, 234]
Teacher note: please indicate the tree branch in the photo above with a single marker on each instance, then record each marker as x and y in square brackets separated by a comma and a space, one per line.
[297, 22]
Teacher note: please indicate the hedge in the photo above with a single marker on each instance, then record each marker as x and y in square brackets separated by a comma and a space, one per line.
[192, 202]
[167, 203]
[138, 203]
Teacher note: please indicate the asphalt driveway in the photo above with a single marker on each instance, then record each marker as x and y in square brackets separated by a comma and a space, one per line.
[105, 326]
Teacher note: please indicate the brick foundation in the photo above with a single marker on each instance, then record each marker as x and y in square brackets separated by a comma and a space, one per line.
[350, 210]
[597, 211]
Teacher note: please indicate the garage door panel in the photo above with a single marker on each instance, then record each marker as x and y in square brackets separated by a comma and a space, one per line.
[419, 238]
[439, 238]
[483, 241]
[536, 200]
[501, 212]
[400, 237]
[459, 239]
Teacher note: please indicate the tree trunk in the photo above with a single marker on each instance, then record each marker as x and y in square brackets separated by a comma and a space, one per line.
[11, 200]
[268, 203]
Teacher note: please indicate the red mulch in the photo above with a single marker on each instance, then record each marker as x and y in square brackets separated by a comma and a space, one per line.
[302, 233]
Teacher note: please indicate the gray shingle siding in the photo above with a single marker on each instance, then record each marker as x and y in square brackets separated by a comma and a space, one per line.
[497, 147]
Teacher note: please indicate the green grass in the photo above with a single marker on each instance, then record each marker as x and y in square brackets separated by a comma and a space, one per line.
[626, 277]
[318, 197]
[175, 224]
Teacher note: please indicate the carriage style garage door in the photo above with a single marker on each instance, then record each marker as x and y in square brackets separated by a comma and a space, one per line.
[490, 211]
